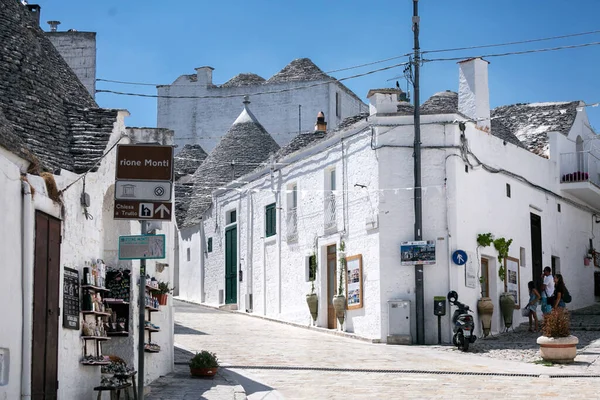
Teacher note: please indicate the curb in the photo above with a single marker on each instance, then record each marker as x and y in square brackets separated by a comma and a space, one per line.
[239, 393]
[309, 327]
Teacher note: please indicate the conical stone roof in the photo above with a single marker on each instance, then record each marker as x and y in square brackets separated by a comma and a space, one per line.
[299, 70]
[240, 151]
[187, 161]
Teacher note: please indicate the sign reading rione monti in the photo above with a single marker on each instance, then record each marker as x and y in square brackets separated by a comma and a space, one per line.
[141, 210]
[144, 162]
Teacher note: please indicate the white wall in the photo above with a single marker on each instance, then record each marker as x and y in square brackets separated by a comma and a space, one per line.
[204, 121]
[10, 274]
[79, 51]
[190, 274]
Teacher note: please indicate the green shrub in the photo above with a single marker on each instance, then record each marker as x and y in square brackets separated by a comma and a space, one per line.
[204, 359]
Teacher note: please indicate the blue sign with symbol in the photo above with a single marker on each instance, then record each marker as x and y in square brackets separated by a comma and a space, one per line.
[459, 257]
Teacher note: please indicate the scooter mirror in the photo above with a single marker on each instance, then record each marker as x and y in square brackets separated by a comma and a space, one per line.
[452, 296]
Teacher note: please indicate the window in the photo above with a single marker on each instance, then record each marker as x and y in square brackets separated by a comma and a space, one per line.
[523, 256]
[338, 104]
[270, 220]
[555, 265]
[332, 179]
[209, 245]
[292, 212]
[507, 190]
[558, 207]
[231, 217]
[189, 254]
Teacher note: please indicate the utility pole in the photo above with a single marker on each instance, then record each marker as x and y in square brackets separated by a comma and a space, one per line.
[419, 292]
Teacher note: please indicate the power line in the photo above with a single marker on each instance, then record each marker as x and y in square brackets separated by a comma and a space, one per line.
[575, 46]
[512, 43]
[332, 80]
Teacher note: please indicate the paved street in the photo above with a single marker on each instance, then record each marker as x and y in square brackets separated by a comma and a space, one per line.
[274, 360]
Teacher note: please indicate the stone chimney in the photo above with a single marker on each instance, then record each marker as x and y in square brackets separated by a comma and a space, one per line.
[204, 75]
[35, 10]
[384, 101]
[53, 25]
[474, 92]
[321, 125]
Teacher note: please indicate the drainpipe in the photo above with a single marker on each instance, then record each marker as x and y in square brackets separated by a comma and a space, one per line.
[203, 254]
[250, 228]
[27, 250]
[278, 206]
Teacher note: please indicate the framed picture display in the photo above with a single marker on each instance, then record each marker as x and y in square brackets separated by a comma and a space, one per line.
[512, 279]
[354, 286]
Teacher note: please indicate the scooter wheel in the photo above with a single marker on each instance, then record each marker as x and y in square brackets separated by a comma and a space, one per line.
[462, 343]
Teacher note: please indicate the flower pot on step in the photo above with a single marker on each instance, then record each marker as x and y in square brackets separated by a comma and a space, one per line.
[313, 305]
[485, 309]
[204, 372]
[560, 350]
[339, 304]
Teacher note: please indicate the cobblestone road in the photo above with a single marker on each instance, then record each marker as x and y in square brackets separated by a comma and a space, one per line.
[251, 345]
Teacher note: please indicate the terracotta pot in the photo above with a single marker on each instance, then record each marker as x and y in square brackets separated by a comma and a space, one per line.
[507, 306]
[485, 308]
[162, 299]
[558, 350]
[204, 372]
[339, 304]
[313, 305]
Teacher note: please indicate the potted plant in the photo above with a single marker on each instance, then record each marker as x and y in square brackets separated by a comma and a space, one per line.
[163, 291]
[557, 345]
[204, 364]
[339, 300]
[311, 299]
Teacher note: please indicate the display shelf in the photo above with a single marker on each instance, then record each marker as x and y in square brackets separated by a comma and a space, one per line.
[122, 333]
[151, 351]
[152, 288]
[98, 313]
[95, 288]
[152, 309]
[115, 302]
[95, 337]
[95, 362]
[150, 329]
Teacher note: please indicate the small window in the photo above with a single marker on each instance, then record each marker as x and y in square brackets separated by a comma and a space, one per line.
[558, 207]
[189, 254]
[507, 190]
[270, 220]
[231, 217]
[523, 256]
[467, 169]
[338, 104]
[555, 265]
[209, 245]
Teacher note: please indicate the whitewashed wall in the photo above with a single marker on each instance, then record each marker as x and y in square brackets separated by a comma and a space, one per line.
[204, 121]
[79, 51]
[190, 271]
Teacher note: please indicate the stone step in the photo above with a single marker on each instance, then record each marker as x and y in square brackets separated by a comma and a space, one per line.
[229, 307]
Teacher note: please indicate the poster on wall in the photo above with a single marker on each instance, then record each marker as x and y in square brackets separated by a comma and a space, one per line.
[512, 279]
[419, 252]
[71, 299]
[354, 281]
[470, 273]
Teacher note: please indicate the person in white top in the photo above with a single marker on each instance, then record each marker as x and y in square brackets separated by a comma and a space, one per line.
[548, 285]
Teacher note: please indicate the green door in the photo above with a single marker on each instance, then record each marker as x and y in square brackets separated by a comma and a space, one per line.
[231, 265]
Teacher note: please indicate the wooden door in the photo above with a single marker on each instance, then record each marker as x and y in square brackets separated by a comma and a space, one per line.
[231, 265]
[485, 277]
[44, 361]
[331, 286]
[536, 250]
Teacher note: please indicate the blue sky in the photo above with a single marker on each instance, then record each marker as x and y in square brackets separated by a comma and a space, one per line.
[156, 41]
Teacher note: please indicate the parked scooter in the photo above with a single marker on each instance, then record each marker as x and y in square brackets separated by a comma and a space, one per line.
[462, 323]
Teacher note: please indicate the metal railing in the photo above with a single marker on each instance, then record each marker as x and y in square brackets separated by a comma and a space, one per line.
[292, 224]
[581, 166]
[330, 212]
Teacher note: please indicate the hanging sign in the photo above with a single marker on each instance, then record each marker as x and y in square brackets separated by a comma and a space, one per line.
[141, 247]
[71, 299]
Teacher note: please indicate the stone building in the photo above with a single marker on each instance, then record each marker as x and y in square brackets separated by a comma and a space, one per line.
[526, 172]
[57, 168]
[205, 110]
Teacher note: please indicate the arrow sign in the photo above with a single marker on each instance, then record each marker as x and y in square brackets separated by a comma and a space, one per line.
[162, 209]
[459, 257]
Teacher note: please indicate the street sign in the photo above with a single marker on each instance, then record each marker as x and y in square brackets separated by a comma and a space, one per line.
[459, 257]
[144, 162]
[141, 210]
[141, 247]
[143, 190]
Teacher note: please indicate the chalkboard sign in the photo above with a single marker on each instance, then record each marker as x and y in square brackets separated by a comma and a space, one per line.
[71, 299]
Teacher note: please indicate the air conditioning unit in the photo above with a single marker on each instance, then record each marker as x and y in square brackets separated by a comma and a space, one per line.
[399, 322]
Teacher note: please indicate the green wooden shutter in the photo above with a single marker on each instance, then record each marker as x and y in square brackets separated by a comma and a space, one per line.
[270, 220]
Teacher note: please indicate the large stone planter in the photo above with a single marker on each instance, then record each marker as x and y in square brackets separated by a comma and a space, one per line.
[558, 350]
[339, 304]
[313, 305]
[507, 306]
[485, 309]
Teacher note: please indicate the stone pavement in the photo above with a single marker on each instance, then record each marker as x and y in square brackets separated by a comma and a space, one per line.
[181, 386]
[285, 361]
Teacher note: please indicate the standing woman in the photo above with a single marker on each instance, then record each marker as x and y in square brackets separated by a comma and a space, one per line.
[559, 291]
[534, 298]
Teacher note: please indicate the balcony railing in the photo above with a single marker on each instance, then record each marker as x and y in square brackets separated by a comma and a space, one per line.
[292, 224]
[330, 212]
[581, 166]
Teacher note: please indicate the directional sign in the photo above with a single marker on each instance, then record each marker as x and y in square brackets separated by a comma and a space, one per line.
[141, 210]
[459, 257]
[141, 247]
[144, 162]
[143, 190]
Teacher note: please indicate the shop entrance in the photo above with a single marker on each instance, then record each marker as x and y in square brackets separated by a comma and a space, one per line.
[536, 249]
[46, 280]
[331, 286]
[231, 265]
